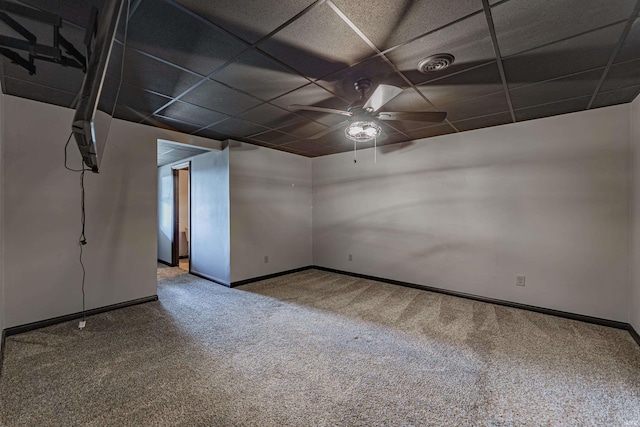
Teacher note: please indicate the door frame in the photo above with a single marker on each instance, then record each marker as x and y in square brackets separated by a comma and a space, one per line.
[175, 241]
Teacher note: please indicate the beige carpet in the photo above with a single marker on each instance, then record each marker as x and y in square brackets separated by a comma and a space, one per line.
[319, 349]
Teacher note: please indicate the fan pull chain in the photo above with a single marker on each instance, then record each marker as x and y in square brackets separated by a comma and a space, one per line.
[354, 151]
[375, 149]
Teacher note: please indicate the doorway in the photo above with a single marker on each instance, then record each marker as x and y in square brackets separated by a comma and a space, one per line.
[181, 242]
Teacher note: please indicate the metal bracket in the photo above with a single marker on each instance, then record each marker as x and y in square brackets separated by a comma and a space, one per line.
[9, 45]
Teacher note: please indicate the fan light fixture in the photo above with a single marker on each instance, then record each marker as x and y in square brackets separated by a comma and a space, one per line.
[362, 131]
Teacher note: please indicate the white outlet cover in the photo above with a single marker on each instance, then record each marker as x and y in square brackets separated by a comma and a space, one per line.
[520, 280]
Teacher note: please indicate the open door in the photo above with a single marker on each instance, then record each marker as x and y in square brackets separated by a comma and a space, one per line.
[181, 241]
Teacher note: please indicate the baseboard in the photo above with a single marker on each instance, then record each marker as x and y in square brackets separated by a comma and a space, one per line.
[634, 333]
[210, 278]
[2, 343]
[558, 313]
[166, 263]
[269, 276]
[61, 319]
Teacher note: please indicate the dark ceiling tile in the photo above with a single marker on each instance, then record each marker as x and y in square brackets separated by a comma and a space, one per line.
[408, 100]
[169, 123]
[614, 97]
[74, 11]
[483, 122]
[248, 19]
[316, 96]
[48, 74]
[622, 75]
[317, 44]
[303, 129]
[270, 116]
[128, 114]
[287, 150]
[140, 100]
[237, 128]
[479, 81]
[571, 56]
[211, 134]
[631, 47]
[256, 74]
[304, 145]
[390, 23]
[469, 41]
[563, 107]
[218, 97]
[376, 70]
[574, 86]
[525, 24]
[166, 31]
[145, 72]
[37, 93]
[476, 107]
[192, 114]
[428, 132]
[274, 137]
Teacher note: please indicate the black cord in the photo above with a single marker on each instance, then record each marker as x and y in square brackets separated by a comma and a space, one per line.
[65, 157]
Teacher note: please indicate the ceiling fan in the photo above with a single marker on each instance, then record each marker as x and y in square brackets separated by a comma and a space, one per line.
[362, 124]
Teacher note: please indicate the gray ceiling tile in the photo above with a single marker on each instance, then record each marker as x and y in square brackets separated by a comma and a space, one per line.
[303, 129]
[390, 23]
[581, 84]
[552, 109]
[254, 73]
[483, 122]
[476, 107]
[270, 116]
[408, 100]
[525, 24]
[54, 76]
[614, 97]
[140, 100]
[29, 90]
[316, 96]
[631, 47]
[167, 32]
[212, 134]
[622, 75]
[169, 123]
[218, 97]
[303, 145]
[317, 44]
[274, 137]
[430, 131]
[128, 114]
[248, 19]
[582, 53]
[237, 128]
[192, 114]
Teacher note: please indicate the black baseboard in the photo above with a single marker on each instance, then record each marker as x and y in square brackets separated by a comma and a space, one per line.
[167, 263]
[209, 278]
[269, 276]
[573, 316]
[2, 343]
[634, 334]
[54, 321]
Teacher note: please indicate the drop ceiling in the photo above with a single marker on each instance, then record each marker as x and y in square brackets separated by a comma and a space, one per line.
[231, 68]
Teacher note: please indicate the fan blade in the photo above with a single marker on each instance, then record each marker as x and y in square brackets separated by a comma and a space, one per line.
[329, 130]
[319, 109]
[382, 95]
[418, 116]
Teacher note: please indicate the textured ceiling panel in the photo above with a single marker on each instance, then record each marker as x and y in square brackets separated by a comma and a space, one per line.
[189, 65]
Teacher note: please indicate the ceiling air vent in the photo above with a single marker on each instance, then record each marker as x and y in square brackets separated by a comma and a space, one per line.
[435, 63]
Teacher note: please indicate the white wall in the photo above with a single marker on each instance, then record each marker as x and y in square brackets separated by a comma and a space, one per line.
[634, 300]
[270, 195]
[2, 304]
[42, 215]
[467, 212]
[183, 200]
[165, 213]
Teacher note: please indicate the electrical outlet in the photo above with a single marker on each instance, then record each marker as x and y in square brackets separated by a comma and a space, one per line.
[266, 259]
[350, 257]
[520, 280]
[82, 324]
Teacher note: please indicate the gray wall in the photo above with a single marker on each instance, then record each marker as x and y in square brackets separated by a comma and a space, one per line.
[210, 250]
[467, 212]
[634, 300]
[2, 305]
[165, 213]
[271, 195]
[42, 215]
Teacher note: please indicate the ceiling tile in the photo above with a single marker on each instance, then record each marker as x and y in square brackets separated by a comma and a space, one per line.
[582, 53]
[237, 128]
[476, 107]
[211, 134]
[631, 47]
[274, 137]
[304, 145]
[270, 116]
[48, 74]
[526, 24]
[148, 73]
[74, 11]
[479, 81]
[427, 132]
[622, 75]
[303, 129]
[218, 97]
[614, 97]
[483, 122]
[192, 114]
[581, 84]
[408, 100]
[316, 96]
[128, 114]
[140, 100]
[469, 41]
[248, 19]
[552, 109]
[317, 44]
[37, 93]
[256, 74]
[166, 31]
[169, 123]
[390, 23]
